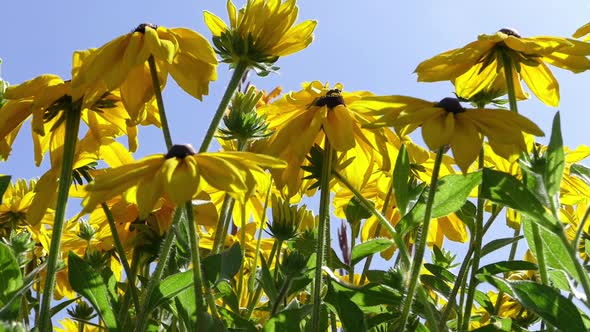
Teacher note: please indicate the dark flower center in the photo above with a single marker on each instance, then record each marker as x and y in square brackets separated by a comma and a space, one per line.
[332, 99]
[510, 32]
[180, 151]
[142, 26]
[450, 105]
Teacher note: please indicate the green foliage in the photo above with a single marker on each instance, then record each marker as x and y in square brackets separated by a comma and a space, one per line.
[12, 281]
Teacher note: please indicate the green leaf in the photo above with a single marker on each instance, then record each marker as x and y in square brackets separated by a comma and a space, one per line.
[11, 280]
[369, 297]
[169, 288]
[4, 182]
[187, 308]
[451, 194]
[581, 171]
[559, 279]
[60, 306]
[88, 283]
[506, 266]
[267, 281]
[555, 159]
[351, 316]
[498, 244]
[436, 284]
[229, 296]
[556, 253]
[543, 300]
[440, 272]
[505, 189]
[236, 322]
[368, 248]
[401, 175]
[223, 266]
[287, 320]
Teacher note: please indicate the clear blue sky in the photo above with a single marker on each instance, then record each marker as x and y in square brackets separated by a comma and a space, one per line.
[370, 45]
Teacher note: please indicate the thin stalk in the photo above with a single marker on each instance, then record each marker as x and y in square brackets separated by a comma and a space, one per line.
[196, 261]
[477, 243]
[121, 252]
[220, 229]
[154, 281]
[254, 299]
[282, 294]
[160, 101]
[351, 266]
[134, 267]
[382, 220]
[511, 256]
[259, 238]
[324, 218]
[239, 71]
[581, 228]
[243, 244]
[65, 179]
[377, 232]
[421, 247]
[540, 254]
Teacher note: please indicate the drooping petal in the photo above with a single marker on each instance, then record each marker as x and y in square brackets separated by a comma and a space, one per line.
[296, 39]
[541, 82]
[339, 128]
[438, 129]
[184, 183]
[466, 142]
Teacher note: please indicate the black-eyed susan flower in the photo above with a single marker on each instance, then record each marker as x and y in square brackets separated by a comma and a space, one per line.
[48, 98]
[123, 63]
[476, 65]
[448, 123]
[260, 33]
[300, 119]
[179, 175]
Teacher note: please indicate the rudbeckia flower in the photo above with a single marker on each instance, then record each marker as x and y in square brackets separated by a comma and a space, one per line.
[300, 119]
[260, 33]
[123, 63]
[179, 175]
[448, 123]
[476, 65]
[47, 98]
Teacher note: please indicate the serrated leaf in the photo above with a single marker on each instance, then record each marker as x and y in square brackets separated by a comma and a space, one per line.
[11, 281]
[505, 189]
[555, 159]
[506, 266]
[401, 175]
[187, 308]
[88, 283]
[287, 320]
[4, 182]
[498, 244]
[368, 248]
[169, 288]
[543, 300]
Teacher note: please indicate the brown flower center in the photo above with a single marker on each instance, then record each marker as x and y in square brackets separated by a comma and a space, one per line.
[332, 99]
[510, 32]
[450, 105]
[142, 26]
[180, 151]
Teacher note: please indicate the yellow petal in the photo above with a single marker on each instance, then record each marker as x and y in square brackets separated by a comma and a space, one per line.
[438, 129]
[136, 91]
[13, 114]
[32, 87]
[232, 12]
[220, 173]
[161, 43]
[466, 142]
[184, 182]
[215, 24]
[339, 129]
[574, 63]
[192, 74]
[149, 190]
[296, 39]
[582, 31]
[476, 79]
[541, 82]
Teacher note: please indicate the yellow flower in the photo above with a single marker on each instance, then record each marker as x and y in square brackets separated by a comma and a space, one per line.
[122, 63]
[448, 123]
[260, 33]
[179, 175]
[476, 65]
[300, 119]
[16, 202]
[47, 98]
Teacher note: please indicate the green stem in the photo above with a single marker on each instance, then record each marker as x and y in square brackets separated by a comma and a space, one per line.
[239, 72]
[324, 218]
[580, 229]
[220, 229]
[282, 294]
[507, 64]
[423, 238]
[377, 232]
[121, 252]
[65, 179]
[477, 243]
[404, 254]
[160, 102]
[511, 256]
[196, 261]
[540, 254]
[259, 238]
[154, 281]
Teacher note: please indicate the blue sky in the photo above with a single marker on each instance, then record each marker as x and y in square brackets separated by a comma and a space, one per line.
[370, 45]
